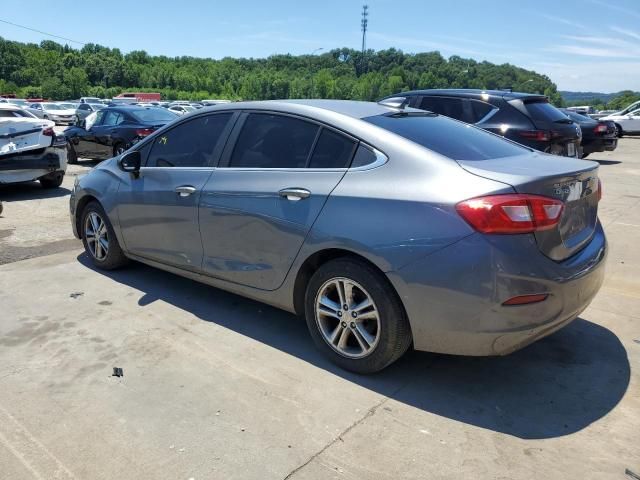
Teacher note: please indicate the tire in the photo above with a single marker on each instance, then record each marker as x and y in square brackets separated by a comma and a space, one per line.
[53, 180]
[388, 335]
[114, 256]
[118, 149]
[46, 117]
[72, 156]
[619, 131]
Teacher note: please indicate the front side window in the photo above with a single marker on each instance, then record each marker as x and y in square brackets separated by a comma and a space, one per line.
[112, 118]
[446, 137]
[190, 144]
[273, 141]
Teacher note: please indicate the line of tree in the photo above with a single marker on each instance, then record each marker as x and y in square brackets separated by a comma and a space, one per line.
[55, 71]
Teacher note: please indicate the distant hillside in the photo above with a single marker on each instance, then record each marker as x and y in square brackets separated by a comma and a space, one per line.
[572, 97]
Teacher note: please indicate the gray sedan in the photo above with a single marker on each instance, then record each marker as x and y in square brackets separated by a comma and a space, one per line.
[384, 226]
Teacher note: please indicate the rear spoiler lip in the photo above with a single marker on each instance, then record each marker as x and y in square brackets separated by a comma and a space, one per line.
[19, 134]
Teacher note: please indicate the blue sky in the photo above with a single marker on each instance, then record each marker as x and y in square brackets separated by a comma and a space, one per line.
[581, 44]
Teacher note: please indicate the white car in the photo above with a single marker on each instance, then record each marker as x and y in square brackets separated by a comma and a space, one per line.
[181, 109]
[30, 149]
[53, 111]
[626, 123]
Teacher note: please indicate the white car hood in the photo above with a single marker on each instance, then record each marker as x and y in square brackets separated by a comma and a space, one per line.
[64, 112]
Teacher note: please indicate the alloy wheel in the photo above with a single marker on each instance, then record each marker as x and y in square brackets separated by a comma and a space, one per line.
[95, 231]
[347, 317]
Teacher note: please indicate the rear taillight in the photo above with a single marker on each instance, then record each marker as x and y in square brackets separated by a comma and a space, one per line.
[601, 128]
[539, 135]
[511, 213]
[48, 132]
[526, 299]
[143, 132]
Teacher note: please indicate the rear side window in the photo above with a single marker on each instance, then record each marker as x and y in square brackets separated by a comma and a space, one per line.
[479, 110]
[448, 138]
[273, 141]
[332, 151]
[544, 111]
[190, 144]
[112, 118]
[451, 107]
[364, 156]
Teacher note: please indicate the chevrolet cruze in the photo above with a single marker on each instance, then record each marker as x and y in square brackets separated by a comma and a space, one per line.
[386, 227]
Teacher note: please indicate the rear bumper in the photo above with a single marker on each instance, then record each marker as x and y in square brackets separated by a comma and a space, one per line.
[599, 145]
[31, 165]
[454, 298]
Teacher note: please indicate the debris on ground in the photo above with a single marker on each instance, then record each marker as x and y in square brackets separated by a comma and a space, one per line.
[118, 372]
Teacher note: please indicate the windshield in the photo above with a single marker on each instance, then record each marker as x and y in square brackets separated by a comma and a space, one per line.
[68, 106]
[436, 132]
[153, 115]
[18, 102]
[543, 111]
[92, 100]
[188, 108]
[577, 117]
[51, 106]
[97, 106]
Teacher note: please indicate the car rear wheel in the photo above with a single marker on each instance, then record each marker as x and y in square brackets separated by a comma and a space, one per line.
[354, 316]
[99, 239]
[118, 149]
[619, 132]
[53, 180]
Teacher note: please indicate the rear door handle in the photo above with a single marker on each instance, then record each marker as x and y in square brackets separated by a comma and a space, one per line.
[294, 194]
[185, 190]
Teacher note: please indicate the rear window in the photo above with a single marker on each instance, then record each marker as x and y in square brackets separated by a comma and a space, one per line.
[153, 115]
[544, 111]
[447, 137]
[451, 107]
[14, 114]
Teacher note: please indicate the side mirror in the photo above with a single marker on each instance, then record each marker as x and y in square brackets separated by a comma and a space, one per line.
[130, 162]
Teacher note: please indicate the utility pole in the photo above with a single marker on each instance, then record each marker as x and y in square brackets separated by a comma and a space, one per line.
[364, 22]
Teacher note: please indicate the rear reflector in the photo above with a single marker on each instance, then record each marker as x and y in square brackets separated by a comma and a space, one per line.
[526, 299]
[539, 135]
[601, 128]
[511, 213]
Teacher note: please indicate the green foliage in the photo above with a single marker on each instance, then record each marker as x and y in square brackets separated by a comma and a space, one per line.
[626, 98]
[61, 72]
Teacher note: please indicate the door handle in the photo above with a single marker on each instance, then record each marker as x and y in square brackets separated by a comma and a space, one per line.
[294, 194]
[185, 190]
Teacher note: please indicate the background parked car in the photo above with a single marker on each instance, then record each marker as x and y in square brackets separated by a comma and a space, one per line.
[522, 117]
[29, 149]
[181, 109]
[54, 112]
[86, 109]
[114, 130]
[90, 100]
[597, 135]
[626, 123]
[453, 240]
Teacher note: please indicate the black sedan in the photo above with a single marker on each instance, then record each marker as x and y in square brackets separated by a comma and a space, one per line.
[597, 135]
[112, 130]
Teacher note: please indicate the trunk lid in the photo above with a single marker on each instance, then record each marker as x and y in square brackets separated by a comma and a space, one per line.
[23, 134]
[575, 182]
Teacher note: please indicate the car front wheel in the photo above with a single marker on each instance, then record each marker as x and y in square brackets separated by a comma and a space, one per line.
[99, 239]
[355, 317]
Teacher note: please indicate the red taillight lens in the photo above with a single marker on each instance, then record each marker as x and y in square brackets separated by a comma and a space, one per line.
[601, 128]
[511, 213]
[143, 132]
[539, 135]
[48, 132]
[526, 299]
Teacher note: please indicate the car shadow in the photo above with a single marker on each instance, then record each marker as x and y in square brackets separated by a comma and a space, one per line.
[605, 162]
[555, 387]
[16, 192]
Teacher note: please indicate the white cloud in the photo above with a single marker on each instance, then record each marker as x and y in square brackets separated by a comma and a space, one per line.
[626, 32]
[600, 76]
[594, 51]
[564, 21]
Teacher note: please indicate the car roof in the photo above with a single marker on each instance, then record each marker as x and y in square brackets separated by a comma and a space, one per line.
[469, 92]
[9, 106]
[349, 108]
